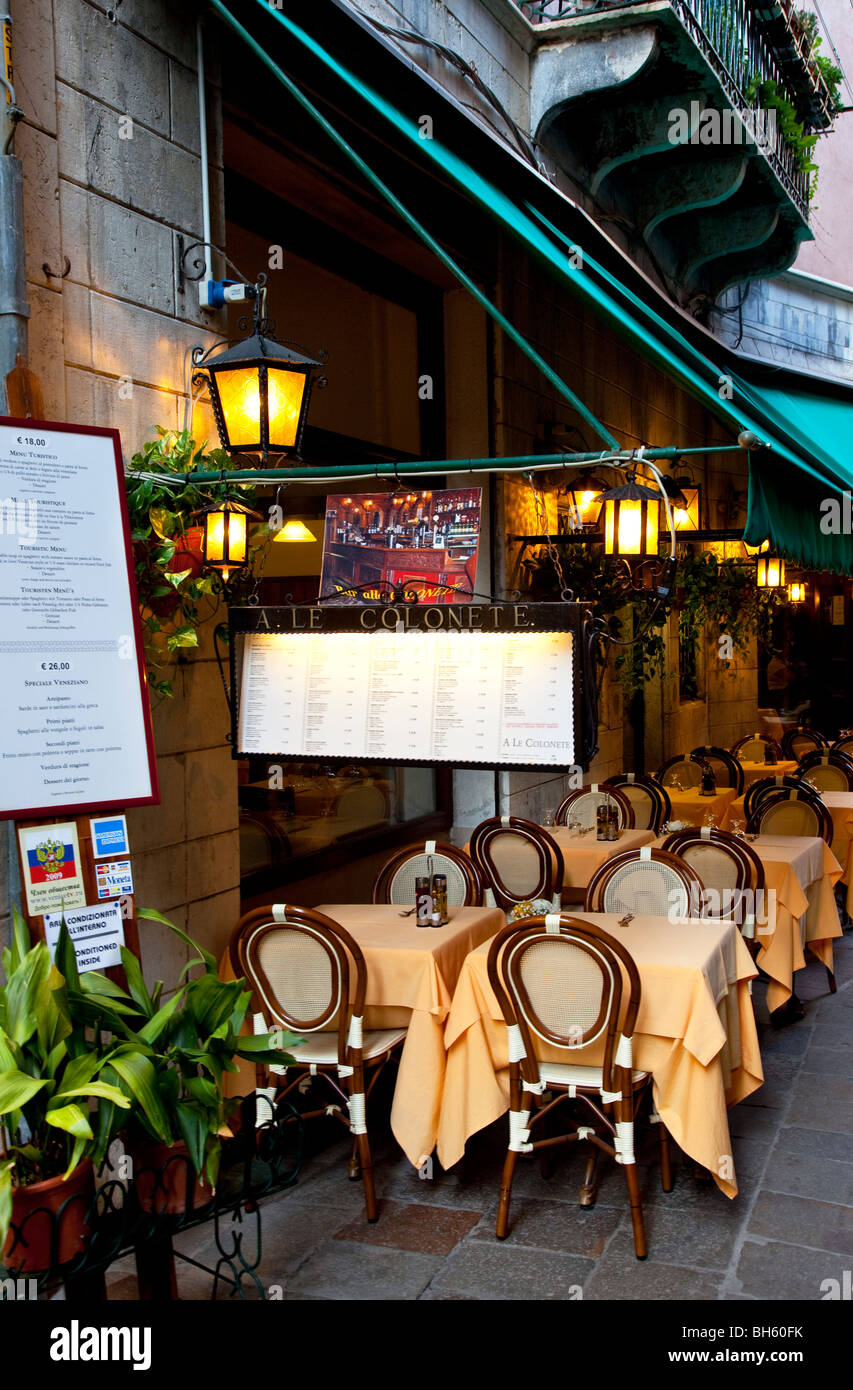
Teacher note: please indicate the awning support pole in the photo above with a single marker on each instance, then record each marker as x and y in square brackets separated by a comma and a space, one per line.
[517, 463]
[419, 230]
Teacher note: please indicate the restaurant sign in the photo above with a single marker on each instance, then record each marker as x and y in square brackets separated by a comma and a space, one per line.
[479, 685]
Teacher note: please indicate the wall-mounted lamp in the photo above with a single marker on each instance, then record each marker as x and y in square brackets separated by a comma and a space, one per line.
[770, 572]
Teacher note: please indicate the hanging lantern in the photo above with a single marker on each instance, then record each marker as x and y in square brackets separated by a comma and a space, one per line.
[770, 571]
[797, 592]
[584, 501]
[631, 515]
[685, 508]
[225, 544]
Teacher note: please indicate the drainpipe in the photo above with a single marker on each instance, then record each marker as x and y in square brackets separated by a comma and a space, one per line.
[14, 310]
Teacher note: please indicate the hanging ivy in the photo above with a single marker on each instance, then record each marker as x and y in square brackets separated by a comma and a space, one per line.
[717, 598]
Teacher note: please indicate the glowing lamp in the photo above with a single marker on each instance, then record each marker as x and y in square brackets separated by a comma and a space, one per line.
[259, 391]
[770, 572]
[631, 514]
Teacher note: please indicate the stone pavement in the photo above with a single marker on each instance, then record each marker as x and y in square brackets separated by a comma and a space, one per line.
[789, 1229]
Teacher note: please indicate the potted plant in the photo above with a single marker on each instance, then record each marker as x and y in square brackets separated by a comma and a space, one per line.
[50, 1074]
[184, 1048]
[175, 596]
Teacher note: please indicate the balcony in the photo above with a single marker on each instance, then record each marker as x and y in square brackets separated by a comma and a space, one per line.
[678, 119]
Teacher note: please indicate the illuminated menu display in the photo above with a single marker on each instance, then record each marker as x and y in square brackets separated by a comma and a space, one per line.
[498, 698]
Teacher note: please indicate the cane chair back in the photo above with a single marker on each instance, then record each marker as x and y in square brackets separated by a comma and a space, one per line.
[648, 881]
[791, 813]
[649, 800]
[519, 863]
[726, 768]
[395, 882]
[683, 772]
[796, 743]
[755, 748]
[581, 806]
[308, 975]
[827, 771]
[731, 871]
[844, 745]
[560, 983]
[765, 786]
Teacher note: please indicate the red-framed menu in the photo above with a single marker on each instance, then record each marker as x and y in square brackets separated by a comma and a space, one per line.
[75, 723]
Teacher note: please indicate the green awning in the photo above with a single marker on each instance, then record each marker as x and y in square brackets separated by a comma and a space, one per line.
[806, 434]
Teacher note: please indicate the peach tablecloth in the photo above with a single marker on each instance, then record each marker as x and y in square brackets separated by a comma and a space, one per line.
[584, 854]
[411, 974]
[840, 807]
[692, 808]
[801, 872]
[753, 772]
[695, 1034]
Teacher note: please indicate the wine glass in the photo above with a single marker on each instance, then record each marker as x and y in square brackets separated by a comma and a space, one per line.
[548, 820]
[710, 820]
[737, 826]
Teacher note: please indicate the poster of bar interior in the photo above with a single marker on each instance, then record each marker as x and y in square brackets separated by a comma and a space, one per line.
[425, 541]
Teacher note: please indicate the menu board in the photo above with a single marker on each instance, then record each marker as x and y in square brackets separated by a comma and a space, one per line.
[74, 721]
[494, 698]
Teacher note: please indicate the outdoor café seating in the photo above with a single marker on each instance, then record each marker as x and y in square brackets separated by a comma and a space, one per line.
[649, 799]
[580, 807]
[395, 882]
[559, 981]
[521, 863]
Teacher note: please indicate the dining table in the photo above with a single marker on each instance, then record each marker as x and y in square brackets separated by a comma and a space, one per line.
[753, 772]
[840, 807]
[798, 912]
[691, 807]
[695, 1033]
[412, 972]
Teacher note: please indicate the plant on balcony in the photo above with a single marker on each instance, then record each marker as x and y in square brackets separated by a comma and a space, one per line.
[767, 95]
[175, 597]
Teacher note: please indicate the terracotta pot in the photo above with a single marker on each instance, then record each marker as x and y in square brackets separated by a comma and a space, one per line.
[162, 1175]
[49, 1221]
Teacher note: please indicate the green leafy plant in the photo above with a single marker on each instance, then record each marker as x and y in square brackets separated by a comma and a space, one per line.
[176, 1054]
[50, 1071]
[175, 597]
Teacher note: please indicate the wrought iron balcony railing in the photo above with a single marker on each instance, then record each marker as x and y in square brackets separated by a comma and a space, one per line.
[734, 41]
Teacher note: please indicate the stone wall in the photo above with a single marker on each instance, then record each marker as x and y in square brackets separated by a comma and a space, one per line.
[110, 152]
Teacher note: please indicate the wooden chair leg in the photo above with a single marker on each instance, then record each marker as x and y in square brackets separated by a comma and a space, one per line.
[636, 1209]
[589, 1186]
[665, 1164]
[831, 978]
[502, 1228]
[366, 1162]
[354, 1167]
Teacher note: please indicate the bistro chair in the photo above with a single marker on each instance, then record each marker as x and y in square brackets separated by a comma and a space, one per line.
[649, 800]
[844, 745]
[581, 806]
[559, 982]
[827, 771]
[683, 772]
[765, 786]
[395, 882]
[792, 812]
[755, 748]
[726, 769]
[797, 742]
[520, 864]
[308, 975]
[648, 881]
[730, 869]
